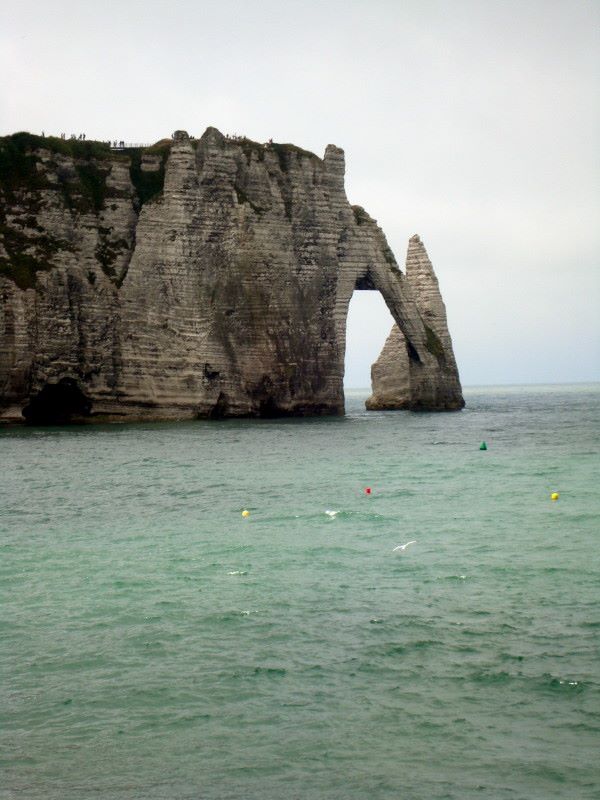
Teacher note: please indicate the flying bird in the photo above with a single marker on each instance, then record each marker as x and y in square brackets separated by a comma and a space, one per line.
[404, 546]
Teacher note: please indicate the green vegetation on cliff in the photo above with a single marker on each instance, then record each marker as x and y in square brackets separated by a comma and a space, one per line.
[33, 169]
[21, 169]
[285, 152]
[27, 255]
[148, 183]
[434, 344]
[24, 165]
[362, 218]
[17, 152]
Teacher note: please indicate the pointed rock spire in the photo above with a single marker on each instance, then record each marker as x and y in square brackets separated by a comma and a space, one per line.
[390, 374]
[424, 284]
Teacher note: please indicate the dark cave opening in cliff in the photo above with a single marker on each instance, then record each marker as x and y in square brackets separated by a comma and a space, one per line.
[59, 403]
[368, 325]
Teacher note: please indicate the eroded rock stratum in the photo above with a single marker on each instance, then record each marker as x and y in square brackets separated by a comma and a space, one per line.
[197, 278]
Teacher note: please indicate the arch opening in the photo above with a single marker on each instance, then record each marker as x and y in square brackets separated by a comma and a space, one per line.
[58, 404]
[368, 325]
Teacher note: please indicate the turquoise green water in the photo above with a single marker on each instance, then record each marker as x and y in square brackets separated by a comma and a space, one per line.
[155, 644]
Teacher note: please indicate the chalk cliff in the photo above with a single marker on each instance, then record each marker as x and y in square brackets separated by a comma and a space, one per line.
[390, 374]
[194, 278]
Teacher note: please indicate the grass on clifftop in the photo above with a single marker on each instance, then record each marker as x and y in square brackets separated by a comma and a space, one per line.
[284, 152]
[80, 181]
[17, 145]
[18, 170]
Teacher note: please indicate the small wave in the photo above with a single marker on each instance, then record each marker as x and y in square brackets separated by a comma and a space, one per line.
[323, 550]
[346, 514]
[492, 678]
[395, 649]
[187, 719]
[511, 657]
[423, 643]
[270, 672]
[580, 726]
[563, 684]
[543, 683]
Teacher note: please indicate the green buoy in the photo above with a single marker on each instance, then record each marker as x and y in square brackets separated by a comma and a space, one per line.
[483, 446]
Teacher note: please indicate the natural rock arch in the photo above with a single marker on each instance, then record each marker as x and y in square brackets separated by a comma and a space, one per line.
[391, 373]
[224, 292]
[424, 364]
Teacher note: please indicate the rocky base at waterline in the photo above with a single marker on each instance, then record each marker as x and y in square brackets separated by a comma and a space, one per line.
[193, 278]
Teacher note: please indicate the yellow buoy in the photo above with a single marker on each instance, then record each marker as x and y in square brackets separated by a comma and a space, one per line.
[554, 496]
[245, 513]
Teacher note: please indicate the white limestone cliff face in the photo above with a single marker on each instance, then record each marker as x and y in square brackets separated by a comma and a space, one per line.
[224, 293]
[390, 374]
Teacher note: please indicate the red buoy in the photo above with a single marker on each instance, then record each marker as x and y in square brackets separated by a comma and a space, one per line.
[368, 490]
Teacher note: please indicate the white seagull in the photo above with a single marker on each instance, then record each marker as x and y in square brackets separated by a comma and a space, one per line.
[404, 546]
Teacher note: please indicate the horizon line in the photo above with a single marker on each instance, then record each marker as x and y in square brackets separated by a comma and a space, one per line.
[488, 385]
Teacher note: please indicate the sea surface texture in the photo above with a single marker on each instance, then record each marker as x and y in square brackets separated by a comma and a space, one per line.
[157, 644]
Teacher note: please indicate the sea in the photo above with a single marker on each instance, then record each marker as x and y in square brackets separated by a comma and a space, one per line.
[156, 643]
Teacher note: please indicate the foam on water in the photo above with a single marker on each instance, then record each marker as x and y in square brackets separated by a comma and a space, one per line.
[157, 645]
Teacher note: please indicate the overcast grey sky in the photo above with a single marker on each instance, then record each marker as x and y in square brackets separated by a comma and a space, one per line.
[474, 123]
